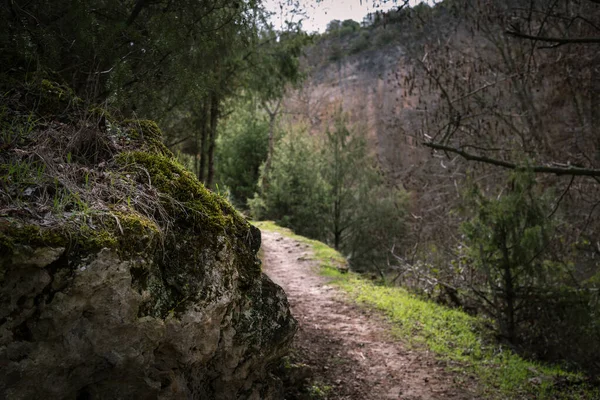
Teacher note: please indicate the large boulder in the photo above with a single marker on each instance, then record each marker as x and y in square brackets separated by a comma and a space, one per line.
[122, 277]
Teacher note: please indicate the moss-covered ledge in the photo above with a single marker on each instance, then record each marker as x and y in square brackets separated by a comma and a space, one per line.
[191, 198]
[121, 275]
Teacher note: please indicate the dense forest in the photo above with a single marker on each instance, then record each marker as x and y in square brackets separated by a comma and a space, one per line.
[450, 149]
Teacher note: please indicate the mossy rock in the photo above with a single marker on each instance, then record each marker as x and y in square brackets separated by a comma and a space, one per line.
[119, 256]
[66, 235]
[136, 234]
[51, 98]
[147, 134]
[127, 232]
[30, 234]
[200, 206]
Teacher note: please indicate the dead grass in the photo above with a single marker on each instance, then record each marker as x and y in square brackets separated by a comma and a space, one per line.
[52, 171]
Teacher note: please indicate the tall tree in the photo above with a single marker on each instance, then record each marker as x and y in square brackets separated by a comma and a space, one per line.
[345, 159]
[275, 69]
[242, 148]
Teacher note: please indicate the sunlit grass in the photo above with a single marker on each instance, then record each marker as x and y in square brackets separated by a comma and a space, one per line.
[466, 342]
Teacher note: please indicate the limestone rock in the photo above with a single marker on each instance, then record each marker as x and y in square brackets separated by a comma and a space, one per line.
[122, 276]
[78, 331]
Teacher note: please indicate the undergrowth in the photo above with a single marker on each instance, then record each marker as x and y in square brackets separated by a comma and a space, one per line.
[465, 342]
[82, 175]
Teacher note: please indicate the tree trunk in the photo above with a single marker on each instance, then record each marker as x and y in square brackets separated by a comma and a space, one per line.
[509, 296]
[337, 221]
[272, 118]
[203, 136]
[214, 117]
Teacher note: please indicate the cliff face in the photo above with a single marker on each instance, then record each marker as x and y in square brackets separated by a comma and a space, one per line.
[371, 88]
[121, 276]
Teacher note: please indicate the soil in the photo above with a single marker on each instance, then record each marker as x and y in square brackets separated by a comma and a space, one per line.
[349, 350]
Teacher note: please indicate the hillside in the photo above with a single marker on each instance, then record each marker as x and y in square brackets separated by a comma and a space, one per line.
[366, 84]
[445, 158]
[486, 130]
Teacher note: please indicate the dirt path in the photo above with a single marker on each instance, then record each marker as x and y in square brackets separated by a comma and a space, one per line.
[348, 349]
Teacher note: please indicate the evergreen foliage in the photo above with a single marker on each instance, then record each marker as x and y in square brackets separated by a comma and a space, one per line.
[242, 148]
[365, 216]
[511, 243]
[330, 189]
[508, 242]
[297, 194]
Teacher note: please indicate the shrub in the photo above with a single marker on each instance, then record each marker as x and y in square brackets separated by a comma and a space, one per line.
[331, 190]
[241, 149]
[296, 193]
[361, 43]
[507, 243]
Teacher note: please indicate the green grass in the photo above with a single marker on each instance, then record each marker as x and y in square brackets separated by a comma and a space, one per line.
[463, 340]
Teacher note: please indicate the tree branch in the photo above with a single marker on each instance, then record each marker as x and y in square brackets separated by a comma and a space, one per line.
[562, 196]
[573, 171]
[556, 40]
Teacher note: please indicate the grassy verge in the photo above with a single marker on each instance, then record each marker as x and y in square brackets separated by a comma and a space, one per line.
[452, 335]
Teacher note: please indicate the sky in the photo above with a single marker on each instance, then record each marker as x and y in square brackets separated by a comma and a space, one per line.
[319, 13]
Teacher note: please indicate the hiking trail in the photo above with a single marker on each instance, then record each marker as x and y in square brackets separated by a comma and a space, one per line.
[350, 348]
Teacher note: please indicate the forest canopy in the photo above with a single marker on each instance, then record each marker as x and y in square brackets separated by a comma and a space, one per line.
[174, 62]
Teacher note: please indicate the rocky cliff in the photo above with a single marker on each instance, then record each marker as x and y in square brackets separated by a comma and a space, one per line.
[121, 276]
[371, 86]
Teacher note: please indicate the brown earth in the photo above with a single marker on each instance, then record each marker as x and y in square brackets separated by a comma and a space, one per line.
[349, 348]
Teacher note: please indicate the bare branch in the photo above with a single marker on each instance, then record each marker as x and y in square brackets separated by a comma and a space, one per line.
[573, 171]
[556, 40]
[562, 196]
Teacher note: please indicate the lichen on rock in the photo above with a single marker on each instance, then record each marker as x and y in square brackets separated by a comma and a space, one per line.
[122, 276]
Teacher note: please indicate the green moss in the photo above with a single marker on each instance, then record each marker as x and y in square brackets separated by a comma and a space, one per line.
[64, 236]
[148, 134]
[52, 98]
[6, 244]
[137, 233]
[99, 112]
[95, 239]
[201, 205]
[129, 233]
[134, 222]
[34, 235]
[142, 127]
